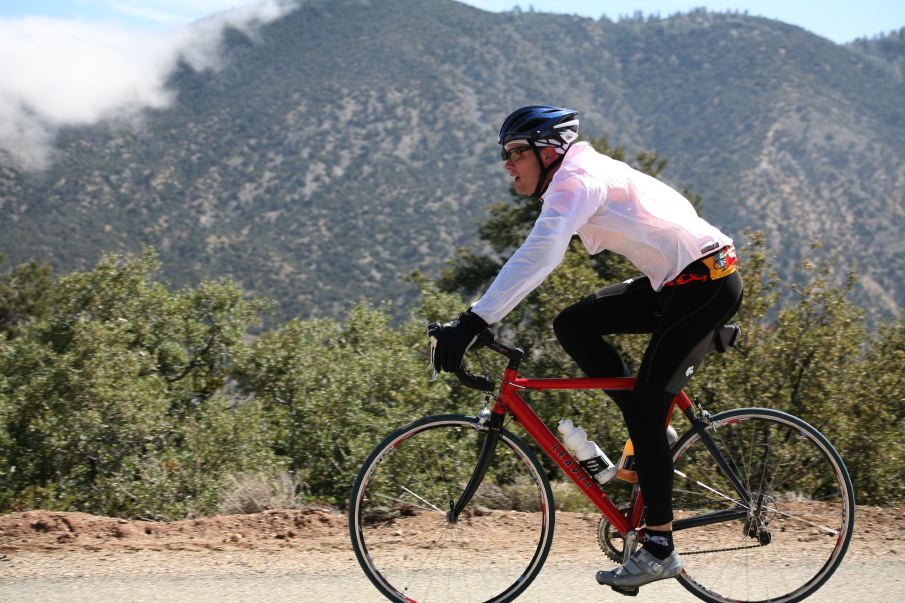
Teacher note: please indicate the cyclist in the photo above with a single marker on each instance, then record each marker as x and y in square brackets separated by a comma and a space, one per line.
[690, 286]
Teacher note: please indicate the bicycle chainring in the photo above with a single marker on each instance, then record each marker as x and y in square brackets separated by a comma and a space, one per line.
[609, 540]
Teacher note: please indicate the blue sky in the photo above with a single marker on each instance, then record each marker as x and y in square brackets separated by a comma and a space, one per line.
[149, 14]
[838, 20]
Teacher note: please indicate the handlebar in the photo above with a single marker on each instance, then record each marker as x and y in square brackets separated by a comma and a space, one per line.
[484, 340]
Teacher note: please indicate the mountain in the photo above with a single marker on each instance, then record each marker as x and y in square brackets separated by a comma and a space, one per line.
[353, 141]
[888, 50]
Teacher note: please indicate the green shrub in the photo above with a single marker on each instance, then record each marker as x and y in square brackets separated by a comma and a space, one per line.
[332, 393]
[112, 404]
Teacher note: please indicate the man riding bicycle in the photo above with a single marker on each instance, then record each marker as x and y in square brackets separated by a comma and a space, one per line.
[690, 286]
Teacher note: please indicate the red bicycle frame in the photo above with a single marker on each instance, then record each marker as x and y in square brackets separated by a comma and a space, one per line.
[510, 401]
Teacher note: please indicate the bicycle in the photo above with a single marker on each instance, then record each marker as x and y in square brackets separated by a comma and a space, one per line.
[752, 485]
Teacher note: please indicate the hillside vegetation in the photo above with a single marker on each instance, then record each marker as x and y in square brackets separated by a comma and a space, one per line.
[120, 396]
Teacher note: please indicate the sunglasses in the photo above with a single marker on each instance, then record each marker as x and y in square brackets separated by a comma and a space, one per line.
[513, 154]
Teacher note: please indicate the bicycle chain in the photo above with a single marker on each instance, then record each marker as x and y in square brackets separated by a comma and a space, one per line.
[734, 548]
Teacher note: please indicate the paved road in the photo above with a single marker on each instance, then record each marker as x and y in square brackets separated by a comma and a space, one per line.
[855, 581]
[313, 570]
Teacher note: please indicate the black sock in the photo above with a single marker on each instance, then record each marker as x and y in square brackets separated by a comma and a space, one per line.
[659, 544]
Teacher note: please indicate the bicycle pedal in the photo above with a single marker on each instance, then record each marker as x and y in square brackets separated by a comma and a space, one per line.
[628, 591]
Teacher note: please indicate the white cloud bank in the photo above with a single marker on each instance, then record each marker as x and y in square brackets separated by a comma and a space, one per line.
[70, 72]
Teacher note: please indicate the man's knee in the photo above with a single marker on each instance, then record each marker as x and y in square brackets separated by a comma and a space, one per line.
[566, 326]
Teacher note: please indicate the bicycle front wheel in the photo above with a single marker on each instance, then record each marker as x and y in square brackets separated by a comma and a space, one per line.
[789, 538]
[398, 515]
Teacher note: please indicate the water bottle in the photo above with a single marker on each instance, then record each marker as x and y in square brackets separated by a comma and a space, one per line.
[625, 469]
[591, 458]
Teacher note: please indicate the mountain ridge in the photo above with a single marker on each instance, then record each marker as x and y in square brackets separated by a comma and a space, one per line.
[351, 142]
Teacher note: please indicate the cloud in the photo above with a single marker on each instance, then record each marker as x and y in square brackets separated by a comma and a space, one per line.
[71, 72]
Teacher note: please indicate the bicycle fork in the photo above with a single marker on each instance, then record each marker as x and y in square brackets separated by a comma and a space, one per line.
[485, 457]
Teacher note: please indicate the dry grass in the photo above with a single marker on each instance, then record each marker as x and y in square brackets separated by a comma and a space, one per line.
[262, 491]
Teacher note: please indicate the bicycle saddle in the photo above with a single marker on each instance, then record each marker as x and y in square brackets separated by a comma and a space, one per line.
[724, 338]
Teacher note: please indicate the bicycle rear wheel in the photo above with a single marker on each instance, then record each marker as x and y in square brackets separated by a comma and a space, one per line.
[398, 523]
[790, 538]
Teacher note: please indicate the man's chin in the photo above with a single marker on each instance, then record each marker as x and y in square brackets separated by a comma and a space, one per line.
[522, 189]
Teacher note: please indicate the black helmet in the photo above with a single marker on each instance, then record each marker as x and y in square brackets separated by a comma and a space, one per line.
[541, 126]
[545, 126]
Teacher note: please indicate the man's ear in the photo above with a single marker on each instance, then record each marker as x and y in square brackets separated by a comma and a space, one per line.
[548, 155]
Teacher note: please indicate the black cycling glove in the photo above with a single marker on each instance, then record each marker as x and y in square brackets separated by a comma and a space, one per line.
[454, 338]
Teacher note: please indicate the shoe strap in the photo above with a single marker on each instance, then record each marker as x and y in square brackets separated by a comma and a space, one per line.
[642, 562]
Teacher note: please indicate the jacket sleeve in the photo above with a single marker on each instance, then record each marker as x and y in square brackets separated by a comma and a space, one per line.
[565, 210]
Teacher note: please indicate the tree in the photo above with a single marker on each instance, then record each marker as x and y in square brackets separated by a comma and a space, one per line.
[876, 415]
[114, 403]
[25, 296]
[332, 392]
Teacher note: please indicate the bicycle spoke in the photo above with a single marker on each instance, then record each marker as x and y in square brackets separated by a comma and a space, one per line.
[823, 528]
[432, 506]
[447, 483]
[777, 474]
[709, 489]
[427, 554]
[407, 502]
[749, 465]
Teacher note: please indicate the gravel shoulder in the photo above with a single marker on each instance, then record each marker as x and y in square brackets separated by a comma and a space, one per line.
[304, 554]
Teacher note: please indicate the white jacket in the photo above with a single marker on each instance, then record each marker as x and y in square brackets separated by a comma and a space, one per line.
[611, 206]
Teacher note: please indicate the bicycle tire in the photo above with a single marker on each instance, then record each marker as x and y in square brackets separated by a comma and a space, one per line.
[397, 515]
[795, 531]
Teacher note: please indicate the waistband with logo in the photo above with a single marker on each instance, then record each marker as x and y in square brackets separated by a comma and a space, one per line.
[715, 266]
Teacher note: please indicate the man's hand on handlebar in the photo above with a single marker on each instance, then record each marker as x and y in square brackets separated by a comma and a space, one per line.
[450, 341]
[481, 338]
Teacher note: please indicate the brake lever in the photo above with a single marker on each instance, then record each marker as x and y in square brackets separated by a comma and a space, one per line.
[432, 328]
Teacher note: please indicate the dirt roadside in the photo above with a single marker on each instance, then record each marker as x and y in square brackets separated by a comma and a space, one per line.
[304, 554]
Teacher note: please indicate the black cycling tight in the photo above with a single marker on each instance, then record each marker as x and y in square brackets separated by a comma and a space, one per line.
[679, 319]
